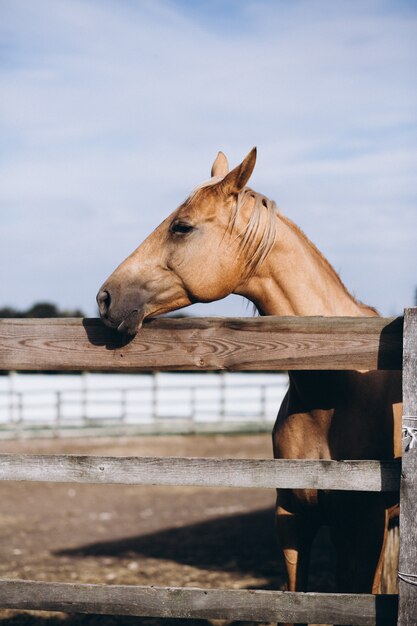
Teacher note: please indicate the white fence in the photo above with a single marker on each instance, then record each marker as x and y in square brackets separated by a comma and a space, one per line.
[159, 402]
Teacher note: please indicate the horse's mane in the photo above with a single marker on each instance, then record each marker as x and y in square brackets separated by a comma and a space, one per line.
[258, 237]
[325, 262]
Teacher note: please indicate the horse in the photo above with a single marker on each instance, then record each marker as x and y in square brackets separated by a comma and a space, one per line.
[226, 238]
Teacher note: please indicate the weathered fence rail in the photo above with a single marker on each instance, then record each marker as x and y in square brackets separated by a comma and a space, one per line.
[255, 473]
[208, 344]
[236, 604]
[251, 344]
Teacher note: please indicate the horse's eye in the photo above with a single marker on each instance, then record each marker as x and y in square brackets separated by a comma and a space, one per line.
[181, 228]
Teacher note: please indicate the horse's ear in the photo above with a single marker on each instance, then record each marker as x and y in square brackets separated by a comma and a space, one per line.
[220, 166]
[239, 176]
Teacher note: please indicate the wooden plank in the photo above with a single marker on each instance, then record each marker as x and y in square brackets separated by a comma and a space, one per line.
[263, 343]
[236, 604]
[408, 529]
[209, 472]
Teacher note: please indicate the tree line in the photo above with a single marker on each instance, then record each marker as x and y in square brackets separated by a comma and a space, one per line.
[40, 309]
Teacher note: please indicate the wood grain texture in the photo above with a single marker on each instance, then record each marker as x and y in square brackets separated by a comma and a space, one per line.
[209, 472]
[408, 528]
[263, 343]
[259, 605]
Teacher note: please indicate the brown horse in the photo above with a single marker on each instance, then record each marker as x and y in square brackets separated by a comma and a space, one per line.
[226, 238]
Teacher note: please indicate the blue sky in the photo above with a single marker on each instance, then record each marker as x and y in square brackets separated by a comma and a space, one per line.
[112, 111]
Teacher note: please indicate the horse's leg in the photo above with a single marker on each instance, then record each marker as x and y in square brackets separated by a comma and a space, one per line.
[296, 532]
[359, 530]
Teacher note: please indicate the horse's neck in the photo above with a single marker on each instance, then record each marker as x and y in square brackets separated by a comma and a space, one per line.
[296, 279]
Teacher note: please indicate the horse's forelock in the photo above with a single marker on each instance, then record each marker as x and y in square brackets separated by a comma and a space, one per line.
[256, 239]
[204, 185]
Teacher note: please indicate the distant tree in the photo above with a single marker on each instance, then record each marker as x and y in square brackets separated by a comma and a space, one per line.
[176, 315]
[40, 309]
[9, 311]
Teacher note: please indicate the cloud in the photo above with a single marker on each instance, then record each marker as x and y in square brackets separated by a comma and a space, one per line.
[113, 111]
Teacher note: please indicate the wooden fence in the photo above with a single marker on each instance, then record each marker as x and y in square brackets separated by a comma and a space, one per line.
[269, 343]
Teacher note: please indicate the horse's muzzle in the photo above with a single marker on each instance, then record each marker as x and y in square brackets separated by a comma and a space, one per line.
[126, 320]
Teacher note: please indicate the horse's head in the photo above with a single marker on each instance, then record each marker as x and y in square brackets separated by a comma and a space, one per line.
[198, 254]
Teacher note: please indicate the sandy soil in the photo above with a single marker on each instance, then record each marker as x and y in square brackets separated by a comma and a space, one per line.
[182, 536]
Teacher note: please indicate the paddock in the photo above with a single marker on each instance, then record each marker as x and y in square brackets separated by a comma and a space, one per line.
[267, 343]
[130, 535]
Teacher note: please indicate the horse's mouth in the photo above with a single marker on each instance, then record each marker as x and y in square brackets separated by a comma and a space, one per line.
[129, 325]
[132, 323]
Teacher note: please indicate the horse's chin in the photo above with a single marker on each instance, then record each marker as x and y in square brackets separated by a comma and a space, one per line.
[132, 323]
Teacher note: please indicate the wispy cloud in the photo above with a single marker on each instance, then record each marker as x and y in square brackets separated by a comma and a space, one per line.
[112, 111]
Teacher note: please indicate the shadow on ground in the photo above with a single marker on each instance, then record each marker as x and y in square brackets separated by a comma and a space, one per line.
[243, 544]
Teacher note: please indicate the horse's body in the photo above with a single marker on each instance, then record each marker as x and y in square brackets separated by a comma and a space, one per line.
[226, 238]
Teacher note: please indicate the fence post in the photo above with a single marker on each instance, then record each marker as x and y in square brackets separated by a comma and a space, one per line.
[222, 396]
[193, 403]
[84, 393]
[407, 571]
[11, 380]
[19, 422]
[58, 415]
[154, 399]
[123, 404]
[262, 411]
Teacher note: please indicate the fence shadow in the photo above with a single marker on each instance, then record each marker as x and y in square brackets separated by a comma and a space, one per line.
[390, 349]
[244, 544]
[100, 335]
[240, 543]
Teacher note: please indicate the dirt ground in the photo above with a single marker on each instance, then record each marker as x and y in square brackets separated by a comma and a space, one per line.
[180, 536]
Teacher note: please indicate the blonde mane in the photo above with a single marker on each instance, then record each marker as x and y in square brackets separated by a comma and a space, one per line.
[258, 237]
[329, 267]
[259, 234]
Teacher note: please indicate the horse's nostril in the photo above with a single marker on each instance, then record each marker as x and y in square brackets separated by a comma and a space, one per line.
[103, 301]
